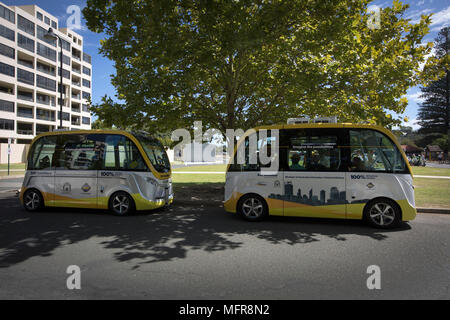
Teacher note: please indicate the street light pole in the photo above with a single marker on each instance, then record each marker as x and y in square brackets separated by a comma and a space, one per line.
[51, 35]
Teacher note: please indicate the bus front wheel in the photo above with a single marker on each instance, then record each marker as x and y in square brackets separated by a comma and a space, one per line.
[253, 207]
[382, 213]
[121, 204]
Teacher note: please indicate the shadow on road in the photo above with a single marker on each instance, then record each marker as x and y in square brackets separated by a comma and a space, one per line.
[161, 235]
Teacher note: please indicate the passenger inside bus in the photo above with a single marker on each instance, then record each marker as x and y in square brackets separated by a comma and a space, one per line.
[295, 159]
[314, 163]
[357, 164]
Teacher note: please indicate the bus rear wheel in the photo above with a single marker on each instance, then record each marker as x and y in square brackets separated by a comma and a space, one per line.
[253, 207]
[382, 213]
[33, 200]
[121, 204]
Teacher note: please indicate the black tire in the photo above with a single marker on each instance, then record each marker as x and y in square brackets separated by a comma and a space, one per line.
[121, 204]
[33, 200]
[382, 213]
[252, 207]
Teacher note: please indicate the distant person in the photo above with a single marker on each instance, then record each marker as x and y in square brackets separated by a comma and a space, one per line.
[295, 158]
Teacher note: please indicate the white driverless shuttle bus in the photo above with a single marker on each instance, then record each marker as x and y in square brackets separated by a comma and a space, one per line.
[104, 169]
[326, 170]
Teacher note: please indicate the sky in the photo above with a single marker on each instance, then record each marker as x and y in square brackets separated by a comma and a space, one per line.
[103, 68]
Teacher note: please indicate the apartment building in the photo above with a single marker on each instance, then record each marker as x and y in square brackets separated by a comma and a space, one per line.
[30, 75]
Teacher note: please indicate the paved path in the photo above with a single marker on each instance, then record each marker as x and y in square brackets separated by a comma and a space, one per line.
[206, 253]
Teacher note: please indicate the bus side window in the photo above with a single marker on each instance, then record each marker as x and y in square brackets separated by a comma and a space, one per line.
[129, 156]
[42, 155]
[77, 152]
[371, 150]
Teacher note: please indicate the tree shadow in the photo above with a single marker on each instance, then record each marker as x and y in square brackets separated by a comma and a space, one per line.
[160, 235]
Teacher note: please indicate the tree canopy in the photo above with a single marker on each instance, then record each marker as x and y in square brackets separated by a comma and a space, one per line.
[434, 112]
[242, 63]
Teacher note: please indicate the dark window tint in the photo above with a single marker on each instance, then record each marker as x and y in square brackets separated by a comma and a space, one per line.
[78, 152]
[41, 32]
[7, 69]
[42, 154]
[25, 76]
[7, 33]
[45, 83]
[7, 106]
[7, 51]
[46, 52]
[65, 45]
[25, 42]
[7, 14]
[25, 25]
[6, 124]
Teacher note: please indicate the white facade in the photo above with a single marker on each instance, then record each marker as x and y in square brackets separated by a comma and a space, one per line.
[30, 78]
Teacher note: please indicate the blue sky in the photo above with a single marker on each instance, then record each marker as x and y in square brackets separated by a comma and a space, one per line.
[103, 68]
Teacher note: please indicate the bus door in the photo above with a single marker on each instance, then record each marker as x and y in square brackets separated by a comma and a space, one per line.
[373, 158]
[123, 168]
[76, 171]
[314, 179]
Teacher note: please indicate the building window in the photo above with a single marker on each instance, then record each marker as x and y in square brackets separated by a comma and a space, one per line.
[25, 76]
[7, 33]
[86, 58]
[86, 95]
[85, 107]
[25, 95]
[25, 25]
[25, 43]
[66, 74]
[6, 124]
[46, 52]
[25, 112]
[65, 117]
[86, 71]
[41, 32]
[65, 59]
[7, 14]
[7, 106]
[7, 69]
[65, 45]
[54, 26]
[7, 51]
[26, 63]
[47, 20]
[86, 83]
[45, 83]
[45, 68]
[86, 120]
[39, 16]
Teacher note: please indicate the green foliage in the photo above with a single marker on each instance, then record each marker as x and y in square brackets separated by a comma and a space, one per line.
[443, 142]
[434, 112]
[238, 64]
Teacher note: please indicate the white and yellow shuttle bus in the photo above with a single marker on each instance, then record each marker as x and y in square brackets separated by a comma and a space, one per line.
[325, 170]
[104, 169]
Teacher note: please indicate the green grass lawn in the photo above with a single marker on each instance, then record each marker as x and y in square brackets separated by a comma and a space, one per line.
[425, 171]
[12, 166]
[432, 193]
[205, 168]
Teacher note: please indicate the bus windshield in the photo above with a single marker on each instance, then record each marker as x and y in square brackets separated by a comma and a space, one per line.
[155, 152]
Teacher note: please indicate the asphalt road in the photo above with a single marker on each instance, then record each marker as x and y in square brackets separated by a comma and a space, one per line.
[205, 253]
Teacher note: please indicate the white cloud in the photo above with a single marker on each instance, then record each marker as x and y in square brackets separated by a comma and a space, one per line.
[441, 18]
[414, 97]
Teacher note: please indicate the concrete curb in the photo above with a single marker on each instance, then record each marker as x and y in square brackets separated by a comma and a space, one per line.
[433, 210]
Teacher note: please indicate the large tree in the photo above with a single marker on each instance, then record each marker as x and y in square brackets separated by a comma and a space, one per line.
[434, 112]
[238, 64]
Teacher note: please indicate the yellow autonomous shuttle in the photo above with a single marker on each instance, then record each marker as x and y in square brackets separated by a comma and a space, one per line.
[104, 169]
[326, 170]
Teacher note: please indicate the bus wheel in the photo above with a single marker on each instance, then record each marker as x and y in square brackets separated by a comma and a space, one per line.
[121, 203]
[382, 213]
[33, 200]
[252, 207]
